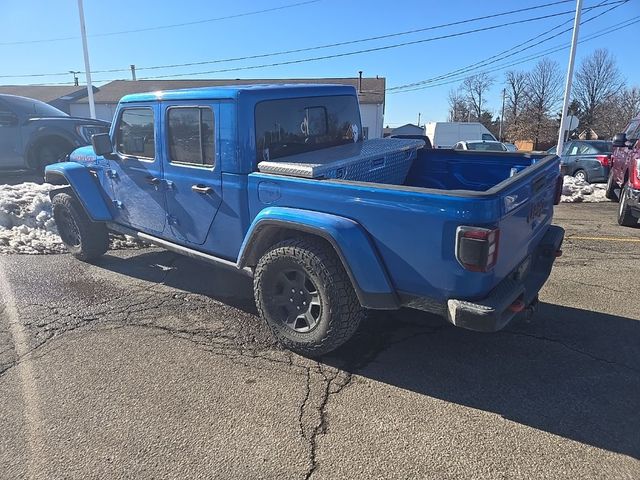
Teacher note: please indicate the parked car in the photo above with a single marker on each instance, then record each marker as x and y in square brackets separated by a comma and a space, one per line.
[447, 134]
[480, 145]
[510, 147]
[624, 178]
[34, 134]
[277, 182]
[424, 138]
[587, 160]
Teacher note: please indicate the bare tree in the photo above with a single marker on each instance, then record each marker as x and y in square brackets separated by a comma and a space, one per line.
[616, 112]
[543, 95]
[458, 109]
[476, 88]
[597, 82]
[516, 84]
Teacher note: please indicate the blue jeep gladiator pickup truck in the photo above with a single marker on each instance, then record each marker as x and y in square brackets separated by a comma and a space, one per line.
[277, 181]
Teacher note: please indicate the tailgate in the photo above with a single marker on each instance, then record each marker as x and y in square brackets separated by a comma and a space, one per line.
[527, 201]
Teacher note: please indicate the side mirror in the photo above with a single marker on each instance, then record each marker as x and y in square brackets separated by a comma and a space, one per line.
[8, 119]
[620, 140]
[102, 144]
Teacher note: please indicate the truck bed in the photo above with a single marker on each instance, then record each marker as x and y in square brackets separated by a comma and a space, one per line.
[403, 162]
[413, 223]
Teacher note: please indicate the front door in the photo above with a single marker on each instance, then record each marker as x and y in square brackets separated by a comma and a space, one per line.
[191, 171]
[10, 140]
[136, 170]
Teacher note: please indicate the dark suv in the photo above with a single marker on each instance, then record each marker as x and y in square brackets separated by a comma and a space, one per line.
[34, 134]
[587, 160]
[624, 179]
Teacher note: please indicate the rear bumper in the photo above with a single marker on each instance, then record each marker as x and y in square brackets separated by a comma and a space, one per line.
[521, 287]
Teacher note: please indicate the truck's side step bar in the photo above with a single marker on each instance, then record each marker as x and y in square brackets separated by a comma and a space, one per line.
[181, 249]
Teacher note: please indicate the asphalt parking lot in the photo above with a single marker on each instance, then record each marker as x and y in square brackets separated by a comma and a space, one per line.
[150, 365]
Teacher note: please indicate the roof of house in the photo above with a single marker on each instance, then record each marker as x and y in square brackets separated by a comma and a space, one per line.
[44, 93]
[372, 88]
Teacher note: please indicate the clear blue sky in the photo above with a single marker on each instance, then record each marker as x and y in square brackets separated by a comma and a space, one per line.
[312, 24]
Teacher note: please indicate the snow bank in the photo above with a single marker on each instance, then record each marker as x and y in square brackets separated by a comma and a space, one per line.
[576, 191]
[26, 222]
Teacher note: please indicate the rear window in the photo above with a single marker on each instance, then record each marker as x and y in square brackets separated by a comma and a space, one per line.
[600, 147]
[487, 146]
[297, 125]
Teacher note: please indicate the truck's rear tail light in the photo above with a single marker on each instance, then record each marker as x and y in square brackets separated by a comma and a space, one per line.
[477, 248]
[558, 193]
[605, 160]
[634, 179]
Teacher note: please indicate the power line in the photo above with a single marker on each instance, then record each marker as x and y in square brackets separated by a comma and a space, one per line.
[317, 47]
[173, 25]
[367, 50]
[597, 34]
[506, 53]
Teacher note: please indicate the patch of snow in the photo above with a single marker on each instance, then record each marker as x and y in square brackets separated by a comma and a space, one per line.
[27, 225]
[576, 191]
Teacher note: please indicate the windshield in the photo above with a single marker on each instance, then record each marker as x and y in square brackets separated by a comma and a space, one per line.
[34, 108]
[297, 125]
[487, 146]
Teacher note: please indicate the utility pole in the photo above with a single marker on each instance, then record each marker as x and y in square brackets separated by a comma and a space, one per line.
[133, 73]
[87, 68]
[419, 118]
[502, 115]
[567, 87]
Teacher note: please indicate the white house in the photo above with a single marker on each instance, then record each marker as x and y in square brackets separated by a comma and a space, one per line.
[371, 93]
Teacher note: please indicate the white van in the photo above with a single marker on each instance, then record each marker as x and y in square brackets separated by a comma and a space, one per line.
[447, 134]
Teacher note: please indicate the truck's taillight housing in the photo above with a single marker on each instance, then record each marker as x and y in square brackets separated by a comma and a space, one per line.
[558, 193]
[605, 160]
[477, 248]
[634, 177]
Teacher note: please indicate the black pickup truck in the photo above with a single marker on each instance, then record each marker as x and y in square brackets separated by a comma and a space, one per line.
[34, 134]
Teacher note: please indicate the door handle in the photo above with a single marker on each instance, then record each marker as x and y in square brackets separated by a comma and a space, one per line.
[151, 180]
[201, 189]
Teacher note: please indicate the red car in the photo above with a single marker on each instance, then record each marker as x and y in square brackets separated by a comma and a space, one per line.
[625, 174]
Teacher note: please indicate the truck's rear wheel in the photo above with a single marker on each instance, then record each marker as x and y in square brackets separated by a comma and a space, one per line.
[625, 218]
[306, 296]
[84, 238]
[610, 193]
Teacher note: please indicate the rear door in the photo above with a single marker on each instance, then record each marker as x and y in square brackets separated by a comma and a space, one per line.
[136, 169]
[192, 171]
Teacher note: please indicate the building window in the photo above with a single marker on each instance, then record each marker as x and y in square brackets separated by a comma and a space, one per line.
[135, 135]
[191, 135]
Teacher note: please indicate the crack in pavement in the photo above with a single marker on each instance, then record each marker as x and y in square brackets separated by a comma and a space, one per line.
[571, 348]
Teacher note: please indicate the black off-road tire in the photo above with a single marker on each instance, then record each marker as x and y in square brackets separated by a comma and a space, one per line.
[625, 217]
[610, 193]
[340, 313]
[84, 238]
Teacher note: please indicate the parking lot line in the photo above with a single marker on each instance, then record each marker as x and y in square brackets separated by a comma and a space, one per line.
[606, 239]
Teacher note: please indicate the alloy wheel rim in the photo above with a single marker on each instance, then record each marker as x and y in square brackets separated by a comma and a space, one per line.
[68, 228]
[296, 300]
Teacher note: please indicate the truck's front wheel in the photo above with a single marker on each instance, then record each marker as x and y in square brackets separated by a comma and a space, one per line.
[84, 238]
[305, 295]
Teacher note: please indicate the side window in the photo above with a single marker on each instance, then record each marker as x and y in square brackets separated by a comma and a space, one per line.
[135, 135]
[488, 137]
[573, 150]
[587, 149]
[191, 135]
